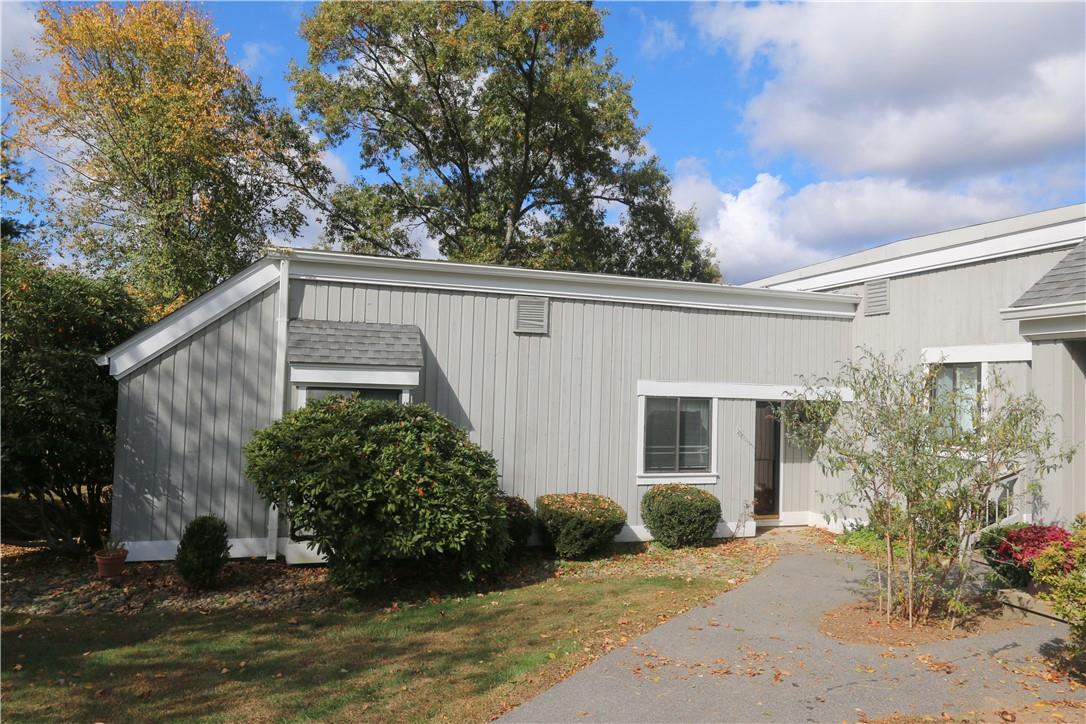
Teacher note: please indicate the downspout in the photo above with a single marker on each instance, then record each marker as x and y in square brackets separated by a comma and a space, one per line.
[279, 398]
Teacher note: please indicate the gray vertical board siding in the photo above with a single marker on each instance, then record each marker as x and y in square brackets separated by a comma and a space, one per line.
[1016, 375]
[559, 411]
[182, 422]
[1059, 379]
[950, 307]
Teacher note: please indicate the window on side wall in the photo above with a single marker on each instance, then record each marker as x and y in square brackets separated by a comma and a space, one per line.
[678, 435]
[961, 383]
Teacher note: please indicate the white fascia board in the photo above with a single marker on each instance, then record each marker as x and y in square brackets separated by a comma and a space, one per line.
[1014, 352]
[427, 274]
[191, 318]
[1053, 328]
[1045, 311]
[340, 375]
[1030, 241]
[726, 390]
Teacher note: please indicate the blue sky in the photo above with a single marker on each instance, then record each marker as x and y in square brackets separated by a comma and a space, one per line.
[801, 132]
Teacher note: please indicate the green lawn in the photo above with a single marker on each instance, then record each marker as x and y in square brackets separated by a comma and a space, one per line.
[465, 658]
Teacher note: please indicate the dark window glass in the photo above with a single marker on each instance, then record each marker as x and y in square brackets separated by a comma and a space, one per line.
[367, 393]
[677, 435]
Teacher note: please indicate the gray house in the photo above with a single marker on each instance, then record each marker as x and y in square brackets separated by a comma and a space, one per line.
[582, 382]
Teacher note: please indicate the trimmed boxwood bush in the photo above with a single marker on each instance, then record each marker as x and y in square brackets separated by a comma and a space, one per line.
[680, 515]
[203, 551]
[378, 484]
[578, 524]
[519, 517]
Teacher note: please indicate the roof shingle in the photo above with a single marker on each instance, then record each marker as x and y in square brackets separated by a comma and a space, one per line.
[354, 343]
[1065, 282]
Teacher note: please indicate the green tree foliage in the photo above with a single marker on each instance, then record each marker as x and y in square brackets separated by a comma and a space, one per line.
[918, 477]
[172, 167]
[495, 129]
[59, 406]
[379, 483]
[680, 515]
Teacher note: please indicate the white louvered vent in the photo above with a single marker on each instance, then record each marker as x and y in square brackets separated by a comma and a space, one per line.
[530, 315]
[876, 297]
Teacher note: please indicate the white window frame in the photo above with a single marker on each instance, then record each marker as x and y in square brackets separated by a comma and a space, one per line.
[304, 376]
[694, 478]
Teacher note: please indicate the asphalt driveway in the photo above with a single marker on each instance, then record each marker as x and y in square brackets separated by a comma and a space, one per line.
[755, 654]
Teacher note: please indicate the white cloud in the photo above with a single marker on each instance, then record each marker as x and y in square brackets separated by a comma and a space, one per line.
[255, 54]
[922, 89]
[659, 37]
[765, 228]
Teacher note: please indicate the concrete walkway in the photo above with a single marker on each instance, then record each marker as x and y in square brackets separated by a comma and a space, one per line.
[721, 662]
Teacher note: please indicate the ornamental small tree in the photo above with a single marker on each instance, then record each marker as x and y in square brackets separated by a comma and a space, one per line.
[922, 464]
[378, 483]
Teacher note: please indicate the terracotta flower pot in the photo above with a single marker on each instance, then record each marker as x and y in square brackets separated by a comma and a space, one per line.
[110, 563]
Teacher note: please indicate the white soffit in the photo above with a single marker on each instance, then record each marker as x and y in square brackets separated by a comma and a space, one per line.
[342, 375]
[1015, 352]
[191, 318]
[726, 390]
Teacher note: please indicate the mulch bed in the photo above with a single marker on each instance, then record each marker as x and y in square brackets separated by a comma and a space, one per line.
[862, 623]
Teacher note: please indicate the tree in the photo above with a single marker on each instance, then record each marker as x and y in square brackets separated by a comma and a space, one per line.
[495, 129]
[173, 168]
[921, 476]
[57, 430]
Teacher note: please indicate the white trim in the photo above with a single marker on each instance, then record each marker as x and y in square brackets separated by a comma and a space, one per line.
[280, 399]
[684, 478]
[640, 533]
[190, 318]
[1040, 330]
[429, 274]
[341, 375]
[166, 550]
[1027, 234]
[1014, 352]
[725, 390]
[1045, 311]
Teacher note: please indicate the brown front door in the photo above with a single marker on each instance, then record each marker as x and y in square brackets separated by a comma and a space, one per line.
[767, 431]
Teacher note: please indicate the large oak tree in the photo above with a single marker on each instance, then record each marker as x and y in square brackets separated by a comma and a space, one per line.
[497, 130]
[172, 167]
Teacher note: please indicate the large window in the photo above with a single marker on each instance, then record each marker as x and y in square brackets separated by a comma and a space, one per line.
[961, 383]
[677, 435]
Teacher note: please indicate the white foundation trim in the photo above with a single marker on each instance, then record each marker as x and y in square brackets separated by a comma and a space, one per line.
[166, 550]
[639, 533]
[1020, 352]
[396, 377]
[190, 318]
[724, 390]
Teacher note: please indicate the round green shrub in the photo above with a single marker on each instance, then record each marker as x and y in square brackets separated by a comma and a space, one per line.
[578, 524]
[680, 515]
[379, 484]
[203, 551]
[519, 517]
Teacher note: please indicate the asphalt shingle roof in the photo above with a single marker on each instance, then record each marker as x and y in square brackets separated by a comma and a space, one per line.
[354, 343]
[1065, 282]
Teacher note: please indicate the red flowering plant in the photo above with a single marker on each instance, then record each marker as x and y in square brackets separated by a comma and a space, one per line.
[1014, 556]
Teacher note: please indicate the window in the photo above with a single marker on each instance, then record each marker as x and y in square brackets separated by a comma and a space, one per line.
[677, 435]
[367, 393]
[960, 383]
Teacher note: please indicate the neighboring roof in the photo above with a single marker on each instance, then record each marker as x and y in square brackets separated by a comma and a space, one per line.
[312, 341]
[1054, 229]
[1065, 282]
[347, 268]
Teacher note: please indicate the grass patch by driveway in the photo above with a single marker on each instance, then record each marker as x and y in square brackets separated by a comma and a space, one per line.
[467, 657]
